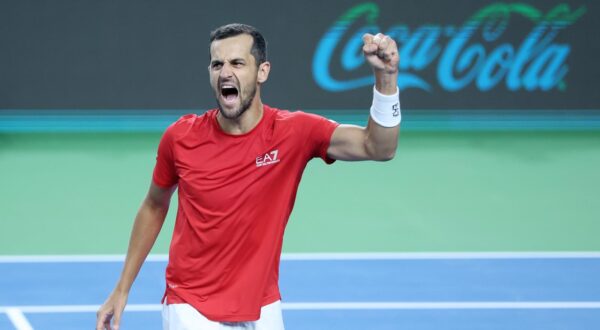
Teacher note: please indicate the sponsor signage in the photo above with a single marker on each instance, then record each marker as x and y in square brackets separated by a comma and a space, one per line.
[534, 55]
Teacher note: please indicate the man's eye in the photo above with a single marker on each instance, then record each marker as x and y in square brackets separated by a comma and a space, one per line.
[217, 65]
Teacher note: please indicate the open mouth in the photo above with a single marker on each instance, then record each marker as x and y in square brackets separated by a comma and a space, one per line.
[229, 92]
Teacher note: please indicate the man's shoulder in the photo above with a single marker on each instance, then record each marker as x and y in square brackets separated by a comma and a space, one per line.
[293, 116]
[191, 118]
[300, 119]
[185, 123]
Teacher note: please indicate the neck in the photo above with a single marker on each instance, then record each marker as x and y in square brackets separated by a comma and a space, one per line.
[244, 123]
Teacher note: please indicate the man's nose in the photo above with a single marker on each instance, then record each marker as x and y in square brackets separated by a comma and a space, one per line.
[226, 71]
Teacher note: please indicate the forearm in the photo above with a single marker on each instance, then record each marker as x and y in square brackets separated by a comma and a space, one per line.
[381, 140]
[378, 141]
[147, 225]
[386, 83]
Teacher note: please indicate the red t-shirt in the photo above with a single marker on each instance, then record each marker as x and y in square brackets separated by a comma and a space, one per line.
[236, 193]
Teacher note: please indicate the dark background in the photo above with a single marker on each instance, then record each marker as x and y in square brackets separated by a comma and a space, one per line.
[139, 54]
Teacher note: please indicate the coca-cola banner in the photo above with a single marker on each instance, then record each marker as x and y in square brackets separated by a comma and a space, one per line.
[460, 54]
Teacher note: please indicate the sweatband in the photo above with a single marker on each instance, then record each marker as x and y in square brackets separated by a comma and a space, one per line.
[385, 110]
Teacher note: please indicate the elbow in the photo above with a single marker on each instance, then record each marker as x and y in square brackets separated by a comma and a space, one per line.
[156, 206]
[381, 152]
[385, 156]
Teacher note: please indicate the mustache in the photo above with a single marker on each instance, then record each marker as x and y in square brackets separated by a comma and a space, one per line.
[233, 80]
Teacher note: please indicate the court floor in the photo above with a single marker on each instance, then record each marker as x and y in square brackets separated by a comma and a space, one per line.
[77, 193]
[546, 290]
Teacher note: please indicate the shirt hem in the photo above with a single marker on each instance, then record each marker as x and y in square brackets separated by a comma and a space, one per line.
[185, 298]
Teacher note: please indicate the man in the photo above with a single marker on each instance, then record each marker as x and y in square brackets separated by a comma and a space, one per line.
[237, 169]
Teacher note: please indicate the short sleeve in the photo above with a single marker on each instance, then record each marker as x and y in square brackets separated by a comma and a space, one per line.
[164, 171]
[319, 130]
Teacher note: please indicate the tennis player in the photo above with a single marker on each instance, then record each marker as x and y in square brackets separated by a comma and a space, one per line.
[237, 170]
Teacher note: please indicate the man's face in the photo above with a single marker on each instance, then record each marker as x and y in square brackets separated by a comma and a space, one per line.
[233, 74]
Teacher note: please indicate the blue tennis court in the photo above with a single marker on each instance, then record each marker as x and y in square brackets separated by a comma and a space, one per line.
[334, 291]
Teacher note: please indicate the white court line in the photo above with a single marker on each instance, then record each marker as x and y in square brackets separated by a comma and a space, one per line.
[79, 308]
[18, 319]
[438, 255]
[324, 256]
[74, 258]
[445, 305]
[337, 306]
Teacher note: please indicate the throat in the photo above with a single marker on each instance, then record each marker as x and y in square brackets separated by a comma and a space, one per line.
[244, 123]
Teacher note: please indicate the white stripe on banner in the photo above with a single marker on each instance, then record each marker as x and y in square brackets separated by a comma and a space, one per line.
[324, 256]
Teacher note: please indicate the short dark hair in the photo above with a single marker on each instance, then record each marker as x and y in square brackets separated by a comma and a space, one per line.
[259, 44]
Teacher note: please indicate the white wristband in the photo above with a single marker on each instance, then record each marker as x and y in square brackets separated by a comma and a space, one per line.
[385, 110]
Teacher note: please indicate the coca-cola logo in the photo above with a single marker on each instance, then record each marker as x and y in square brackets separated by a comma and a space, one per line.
[474, 53]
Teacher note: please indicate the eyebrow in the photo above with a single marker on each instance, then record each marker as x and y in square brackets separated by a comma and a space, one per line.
[237, 59]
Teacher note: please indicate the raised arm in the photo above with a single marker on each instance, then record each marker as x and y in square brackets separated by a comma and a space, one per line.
[377, 141]
[147, 225]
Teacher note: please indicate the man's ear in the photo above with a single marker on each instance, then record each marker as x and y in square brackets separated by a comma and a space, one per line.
[263, 72]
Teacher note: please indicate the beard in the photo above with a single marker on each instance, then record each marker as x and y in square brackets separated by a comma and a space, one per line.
[244, 105]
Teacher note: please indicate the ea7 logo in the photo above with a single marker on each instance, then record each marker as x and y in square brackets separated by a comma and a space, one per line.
[267, 159]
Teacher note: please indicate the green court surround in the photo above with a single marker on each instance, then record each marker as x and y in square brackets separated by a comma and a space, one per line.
[77, 193]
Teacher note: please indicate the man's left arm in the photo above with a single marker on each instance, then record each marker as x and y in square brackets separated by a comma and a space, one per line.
[377, 141]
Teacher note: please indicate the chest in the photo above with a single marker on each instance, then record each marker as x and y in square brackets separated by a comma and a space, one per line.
[223, 172]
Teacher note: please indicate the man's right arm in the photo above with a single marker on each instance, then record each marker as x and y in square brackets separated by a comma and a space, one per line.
[147, 225]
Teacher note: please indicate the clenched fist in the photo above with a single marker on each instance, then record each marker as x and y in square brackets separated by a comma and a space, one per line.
[381, 52]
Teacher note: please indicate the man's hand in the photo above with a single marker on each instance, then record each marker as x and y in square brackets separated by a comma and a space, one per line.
[381, 52]
[111, 310]
[147, 225]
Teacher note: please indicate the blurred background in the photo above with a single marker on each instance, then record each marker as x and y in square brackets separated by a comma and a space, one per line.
[499, 147]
